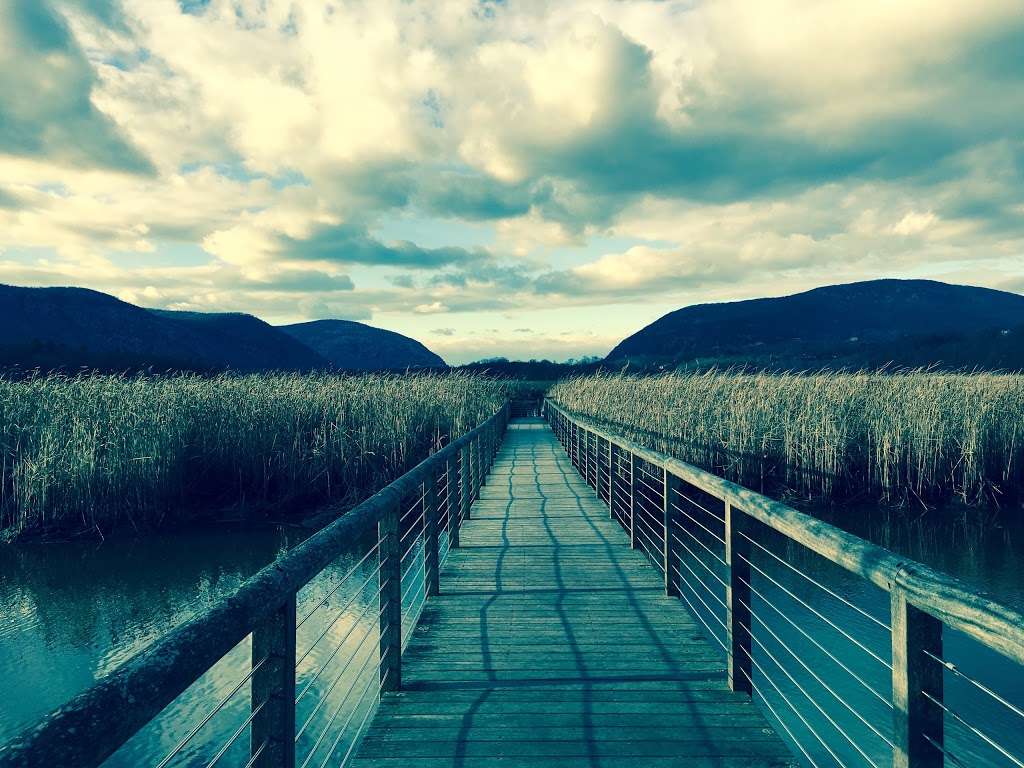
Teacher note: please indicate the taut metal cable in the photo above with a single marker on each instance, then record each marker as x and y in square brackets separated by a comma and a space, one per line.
[704, 565]
[780, 721]
[337, 647]
[975, 730]
[819, 646]
[359, 730]
[412, 508]
[337, 710]
[785, 698]
[341, 612]
[697, 522]
[701, 507]
[209, 716]
[943, 751]
[696, 614]
[338, 585]
[818, 584]
[810, 698]
[821, 682]
[256, 755]
[820, 615]
[981, 687]
[238, 732]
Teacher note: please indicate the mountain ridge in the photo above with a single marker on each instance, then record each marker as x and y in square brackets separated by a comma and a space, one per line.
[69, 328]
[862, 324]
[363, 346]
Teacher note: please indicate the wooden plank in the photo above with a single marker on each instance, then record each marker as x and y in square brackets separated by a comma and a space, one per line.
[515, 761]
[554, 643]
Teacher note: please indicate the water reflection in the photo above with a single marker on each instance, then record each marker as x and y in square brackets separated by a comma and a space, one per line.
[822, 648]
[71, 612]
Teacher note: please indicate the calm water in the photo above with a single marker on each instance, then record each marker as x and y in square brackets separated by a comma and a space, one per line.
[804, 637]
[71, 612]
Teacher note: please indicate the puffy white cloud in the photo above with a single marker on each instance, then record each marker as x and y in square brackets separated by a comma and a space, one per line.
[725, 146]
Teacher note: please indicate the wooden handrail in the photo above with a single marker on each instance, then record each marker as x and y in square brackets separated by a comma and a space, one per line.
[922, 600]
[89, 728]
[958, 605]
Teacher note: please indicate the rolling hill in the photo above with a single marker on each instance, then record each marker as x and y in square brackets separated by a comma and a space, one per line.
[867, 324]
[72, 328]
[353, 346]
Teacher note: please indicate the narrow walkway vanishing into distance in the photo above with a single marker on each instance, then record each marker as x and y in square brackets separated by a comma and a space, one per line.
[552, 643]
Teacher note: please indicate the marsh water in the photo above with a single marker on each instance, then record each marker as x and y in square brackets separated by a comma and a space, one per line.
[71, 612]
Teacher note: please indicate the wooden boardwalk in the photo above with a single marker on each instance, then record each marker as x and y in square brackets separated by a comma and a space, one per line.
[552, 643]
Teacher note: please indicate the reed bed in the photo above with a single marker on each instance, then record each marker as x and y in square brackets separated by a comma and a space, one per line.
[95, 452]
[910, 437]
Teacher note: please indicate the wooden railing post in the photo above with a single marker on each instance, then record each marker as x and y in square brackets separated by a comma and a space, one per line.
[591, 459]
[466, 480]
[272, 735]
[481, 461]
[431, 578]
[454, 499]
[574, 439]
[475, 443]
[584, 446]
[670, 547]
[632, 501]
[579, 449]
[599, 481]
[611, 479]
[485, 442]
[609, 484]
[737, 600]
[586, 456]
[390, 600]
[913, 673]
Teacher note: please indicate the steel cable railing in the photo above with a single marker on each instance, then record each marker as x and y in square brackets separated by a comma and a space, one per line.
[838, 679]
[246, 723]
[856, 677]
[184, 742]
[789, 703]
[340, 707]
[374, 575]
[703, 560]
[314, 676]
[339, 585]
[986, 738]
[324, 696]
[308, 684]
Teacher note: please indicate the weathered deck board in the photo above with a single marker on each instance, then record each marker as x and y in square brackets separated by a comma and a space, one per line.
[552, 643]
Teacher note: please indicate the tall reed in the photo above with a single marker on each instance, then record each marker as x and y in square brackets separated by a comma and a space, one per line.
[886, 436]
[97, 451]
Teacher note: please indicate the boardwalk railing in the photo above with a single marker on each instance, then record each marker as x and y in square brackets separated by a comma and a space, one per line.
[716, 544]
[311, 628]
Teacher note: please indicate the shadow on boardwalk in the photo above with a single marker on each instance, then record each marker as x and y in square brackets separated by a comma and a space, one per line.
[552, 642]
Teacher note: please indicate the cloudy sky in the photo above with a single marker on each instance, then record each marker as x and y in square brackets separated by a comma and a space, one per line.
[528, 179]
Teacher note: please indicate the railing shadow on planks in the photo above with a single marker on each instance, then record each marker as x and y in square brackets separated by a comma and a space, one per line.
[282, 616]
[713, 542]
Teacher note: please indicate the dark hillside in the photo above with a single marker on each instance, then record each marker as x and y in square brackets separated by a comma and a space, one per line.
[902, 322]
[353, 346]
